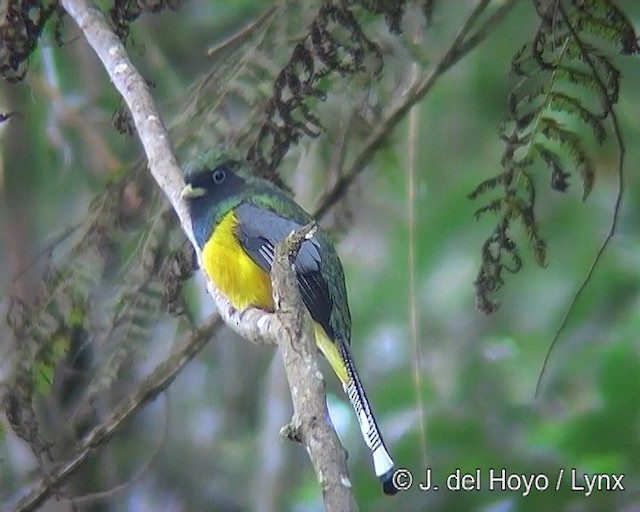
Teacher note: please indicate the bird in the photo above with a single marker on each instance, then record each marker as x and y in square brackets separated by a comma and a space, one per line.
[237, 219]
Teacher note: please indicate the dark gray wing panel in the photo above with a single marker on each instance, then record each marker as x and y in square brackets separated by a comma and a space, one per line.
[259, 230]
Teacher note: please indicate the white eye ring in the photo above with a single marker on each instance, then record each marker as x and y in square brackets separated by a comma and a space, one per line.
[218, 176]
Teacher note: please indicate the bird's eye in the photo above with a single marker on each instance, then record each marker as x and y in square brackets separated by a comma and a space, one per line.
[219, 176]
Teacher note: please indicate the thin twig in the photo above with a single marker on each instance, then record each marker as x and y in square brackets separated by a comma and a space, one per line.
[102, 495]
[487, 28]
[241, 36]
[458, 49]
[147, 390]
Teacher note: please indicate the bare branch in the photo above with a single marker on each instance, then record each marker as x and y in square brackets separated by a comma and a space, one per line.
[135, 92]
[461, 45]
[146, 391]
[296, 342]
[290, 328]
[137, 476]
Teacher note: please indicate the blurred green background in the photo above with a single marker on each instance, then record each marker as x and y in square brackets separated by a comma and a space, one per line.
[213, 439]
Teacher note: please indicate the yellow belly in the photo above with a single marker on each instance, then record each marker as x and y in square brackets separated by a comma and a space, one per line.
[245, 284]
[234, 273]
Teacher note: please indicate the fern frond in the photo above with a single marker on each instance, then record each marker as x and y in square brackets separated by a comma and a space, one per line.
[562, 75]
[562, 102]
[139, 301]
[609, 24]
[334, 43]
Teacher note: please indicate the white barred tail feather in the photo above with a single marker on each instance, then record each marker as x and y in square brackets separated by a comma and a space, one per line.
[382, 462]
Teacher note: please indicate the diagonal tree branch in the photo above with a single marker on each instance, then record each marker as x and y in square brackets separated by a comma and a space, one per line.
[293, 335]
[309, 424]
[146, 391]
[461, 45]
[134, 90]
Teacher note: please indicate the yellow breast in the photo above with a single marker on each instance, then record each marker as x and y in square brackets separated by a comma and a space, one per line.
[245, 284]
[233, 272]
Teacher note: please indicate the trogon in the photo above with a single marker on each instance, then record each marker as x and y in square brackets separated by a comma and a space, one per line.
[237, 220]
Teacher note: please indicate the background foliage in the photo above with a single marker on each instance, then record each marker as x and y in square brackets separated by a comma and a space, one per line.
[112, 304]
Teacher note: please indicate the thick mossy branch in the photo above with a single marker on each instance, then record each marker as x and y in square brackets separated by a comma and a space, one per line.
[563, 84]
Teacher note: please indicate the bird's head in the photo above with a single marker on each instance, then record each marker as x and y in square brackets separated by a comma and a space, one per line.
[215, 182]
[213, 177]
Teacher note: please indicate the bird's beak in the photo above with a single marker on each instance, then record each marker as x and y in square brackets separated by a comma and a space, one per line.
[190, 192]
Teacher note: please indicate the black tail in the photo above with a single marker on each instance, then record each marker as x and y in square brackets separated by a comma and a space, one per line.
[382, 462]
